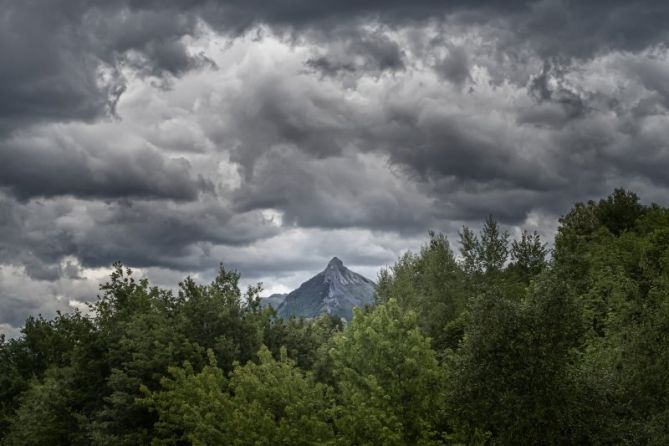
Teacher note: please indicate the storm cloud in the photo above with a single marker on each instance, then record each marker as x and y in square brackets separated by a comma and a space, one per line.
[174, 135]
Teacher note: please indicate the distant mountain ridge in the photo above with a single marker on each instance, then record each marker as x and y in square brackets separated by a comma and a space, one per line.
[336, 290]
[273, 300]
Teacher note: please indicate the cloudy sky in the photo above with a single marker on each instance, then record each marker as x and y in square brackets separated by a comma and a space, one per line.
[272, 135]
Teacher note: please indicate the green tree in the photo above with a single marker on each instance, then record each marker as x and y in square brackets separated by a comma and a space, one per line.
[388, 380]
[44, 415]
[275, 403]
[484, 255]
[34, 366]
[191, 407]
[619, 211]
[470, 250]
[149, 330]
[511, 376]
[431, 284]
[493, 247]
[301, 338]
[269, 403]
[528, 256]
[220, 317]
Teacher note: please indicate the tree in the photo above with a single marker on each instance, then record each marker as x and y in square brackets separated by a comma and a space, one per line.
[388, 380]
[511, 376]
[275, 403]
[619, 211]
[44, 415]
[191, 408]
[470, 250]
[269, 403]
[528, 256]
[301, 338]
[150, 330]
[431, 284]
[31, 371]
[486, 253]
[493, 247]
[220, 317]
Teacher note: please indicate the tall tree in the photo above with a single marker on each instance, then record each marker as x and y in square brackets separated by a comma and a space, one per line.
[388, 380]
[510, 378]
[269, 403]
[528, 255]
[431, 284]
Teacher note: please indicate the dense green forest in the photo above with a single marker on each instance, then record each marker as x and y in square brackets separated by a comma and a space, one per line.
[503, 343]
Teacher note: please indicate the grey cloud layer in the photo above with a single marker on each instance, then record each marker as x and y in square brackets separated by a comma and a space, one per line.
[53, 52]
[173, 134]
[38, 234]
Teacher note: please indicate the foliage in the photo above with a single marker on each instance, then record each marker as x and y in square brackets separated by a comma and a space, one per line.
[388, 378]
[431, 284]
[270, 403]
[511, 376]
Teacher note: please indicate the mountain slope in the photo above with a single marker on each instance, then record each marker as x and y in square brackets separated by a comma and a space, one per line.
[273, 301]
[335, 290]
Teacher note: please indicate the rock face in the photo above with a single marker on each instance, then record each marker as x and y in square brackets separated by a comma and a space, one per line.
[273, 300]
[336, 290]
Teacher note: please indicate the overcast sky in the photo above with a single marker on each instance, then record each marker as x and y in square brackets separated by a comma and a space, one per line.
[272, 135]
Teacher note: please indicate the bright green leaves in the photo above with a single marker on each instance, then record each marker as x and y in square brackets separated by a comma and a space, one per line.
[388, 380]
[191, 406]
[431, 284]
[388, 390]
[278, 404]
[269, 403]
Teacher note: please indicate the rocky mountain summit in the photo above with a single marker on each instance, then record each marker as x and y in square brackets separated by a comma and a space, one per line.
[335, 290]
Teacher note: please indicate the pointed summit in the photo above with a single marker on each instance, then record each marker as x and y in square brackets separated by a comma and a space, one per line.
[335, 290]
[335, 263]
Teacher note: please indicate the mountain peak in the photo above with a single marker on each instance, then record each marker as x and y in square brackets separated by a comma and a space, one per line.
[335, 263]
[335, 291]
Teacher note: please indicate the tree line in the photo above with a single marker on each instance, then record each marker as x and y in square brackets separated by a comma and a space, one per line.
[505, 343]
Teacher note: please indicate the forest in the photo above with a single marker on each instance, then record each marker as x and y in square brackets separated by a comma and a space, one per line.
[485, 341]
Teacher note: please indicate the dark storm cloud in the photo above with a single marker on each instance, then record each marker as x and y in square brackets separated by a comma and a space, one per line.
[61, 58]
[53, 51]
[176, 237]
[582, 28]
[47, 164]
[47, 72]
[240, 15]
[571, 104]
[372, 52]
[275, 110]
[341, 192]
[39, 234]
[147, 40]
[549, 143]
[652, 74]
[567, 27]
[442, 144]
[455, 66]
